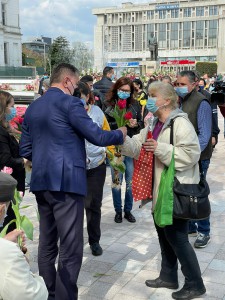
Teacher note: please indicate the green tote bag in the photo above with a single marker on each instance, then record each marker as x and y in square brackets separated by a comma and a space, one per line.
[163, 212]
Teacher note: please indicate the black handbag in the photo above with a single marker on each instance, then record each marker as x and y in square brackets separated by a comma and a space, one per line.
[191, 201]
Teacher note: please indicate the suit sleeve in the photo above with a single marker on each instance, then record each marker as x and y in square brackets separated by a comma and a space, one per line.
[25, 142]
[85, 127]
[20, 283]
[6, 158]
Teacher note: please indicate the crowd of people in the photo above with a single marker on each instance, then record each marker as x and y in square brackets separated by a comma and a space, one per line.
[65, 134]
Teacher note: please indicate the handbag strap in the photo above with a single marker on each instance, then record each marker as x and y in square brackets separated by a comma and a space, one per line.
[171, 142]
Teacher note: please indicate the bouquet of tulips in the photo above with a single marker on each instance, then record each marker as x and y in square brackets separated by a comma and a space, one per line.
[122, 118]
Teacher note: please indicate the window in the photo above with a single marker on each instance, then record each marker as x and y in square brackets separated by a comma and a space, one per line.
[213, 10]
[199, 34]
[187, 12]
[213, 24]
[6, 56]
[174, 13]
[162, 36]
[3, 14]
[200, 11]
[186, 34]
[126, 38]
[150, 14]
[162, 14]
[174, 36]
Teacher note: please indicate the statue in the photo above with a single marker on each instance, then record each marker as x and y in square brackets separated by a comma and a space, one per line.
[153, 47]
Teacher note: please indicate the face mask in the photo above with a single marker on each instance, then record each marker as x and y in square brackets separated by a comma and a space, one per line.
[3, 217]
[151, 105]
[182, 91]
[11, 115]
[112, 77]
[211, 88]
[201, 87]
[123, 95]
[45, 77]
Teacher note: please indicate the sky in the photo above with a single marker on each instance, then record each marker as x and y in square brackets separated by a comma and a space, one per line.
[70, 18]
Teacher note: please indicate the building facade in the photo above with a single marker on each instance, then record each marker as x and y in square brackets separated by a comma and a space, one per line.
[10, 35]
[40, 45]
[186, 31]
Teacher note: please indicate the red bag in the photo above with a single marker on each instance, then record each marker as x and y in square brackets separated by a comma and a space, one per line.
[142, 176]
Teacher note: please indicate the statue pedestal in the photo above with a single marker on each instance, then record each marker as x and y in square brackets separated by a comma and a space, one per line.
[151, 66]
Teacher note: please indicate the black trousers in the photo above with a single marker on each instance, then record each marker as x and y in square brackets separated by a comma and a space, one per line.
[93, 202]
[175, 246]
[61, 218]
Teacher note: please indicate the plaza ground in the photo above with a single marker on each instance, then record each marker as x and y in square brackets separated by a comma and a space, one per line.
[131, 251]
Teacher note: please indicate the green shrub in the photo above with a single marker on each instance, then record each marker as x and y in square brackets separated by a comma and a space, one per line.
[209, 68]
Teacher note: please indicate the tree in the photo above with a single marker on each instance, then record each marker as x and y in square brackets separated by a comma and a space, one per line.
[82, 57]
[59, 52]
[32, 58]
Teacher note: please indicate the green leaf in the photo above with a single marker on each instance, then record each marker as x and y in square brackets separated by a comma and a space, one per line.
[28, 227]
[4, 230]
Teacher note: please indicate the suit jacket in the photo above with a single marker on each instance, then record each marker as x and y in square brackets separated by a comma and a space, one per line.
[16, 280]
[54, 131]
[9, 157]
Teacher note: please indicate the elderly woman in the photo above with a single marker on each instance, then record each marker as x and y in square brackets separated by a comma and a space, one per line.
[173, 239]
[16, 279]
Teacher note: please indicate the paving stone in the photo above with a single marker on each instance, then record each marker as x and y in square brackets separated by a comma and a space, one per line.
[114, 277]
[127, 297]
[129, 266]
[140, 290]
[101, 290]
[214, 290]
[109, 257]
[96, 267]
[214, 276]
[86, 278]
[120, 248]
[218, 265]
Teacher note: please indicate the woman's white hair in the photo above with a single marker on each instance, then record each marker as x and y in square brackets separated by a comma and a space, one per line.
[166, 91]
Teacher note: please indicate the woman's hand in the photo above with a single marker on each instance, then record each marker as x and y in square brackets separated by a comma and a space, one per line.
[13, 236]
[132, 123]
[150, 145]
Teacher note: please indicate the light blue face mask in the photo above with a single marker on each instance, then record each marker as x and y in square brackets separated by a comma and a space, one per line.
[151, 105]
[11, 115]
[123, 95]
[112, 77]
[182, 91]
[211, 88]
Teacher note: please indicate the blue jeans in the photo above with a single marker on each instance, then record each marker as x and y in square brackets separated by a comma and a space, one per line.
[116, 193]
[202, 226]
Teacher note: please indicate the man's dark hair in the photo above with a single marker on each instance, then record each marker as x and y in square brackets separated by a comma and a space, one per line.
[189, 74]
[107, 70]
[87, 78]
[60, 70]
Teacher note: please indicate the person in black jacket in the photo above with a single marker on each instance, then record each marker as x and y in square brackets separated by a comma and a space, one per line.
[124, 89]
[9, 149]
[104, 85]
[201, 84]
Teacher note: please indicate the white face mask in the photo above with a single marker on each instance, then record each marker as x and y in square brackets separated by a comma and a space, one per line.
[2, 217]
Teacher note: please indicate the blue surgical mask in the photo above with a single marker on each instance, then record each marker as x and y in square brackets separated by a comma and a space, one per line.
[182, 91]
[11, 115]
[112, 77]
[123, 95]
[151, 105]
[211, 88]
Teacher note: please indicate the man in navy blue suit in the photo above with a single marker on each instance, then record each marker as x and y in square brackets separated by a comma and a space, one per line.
[54, 131]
